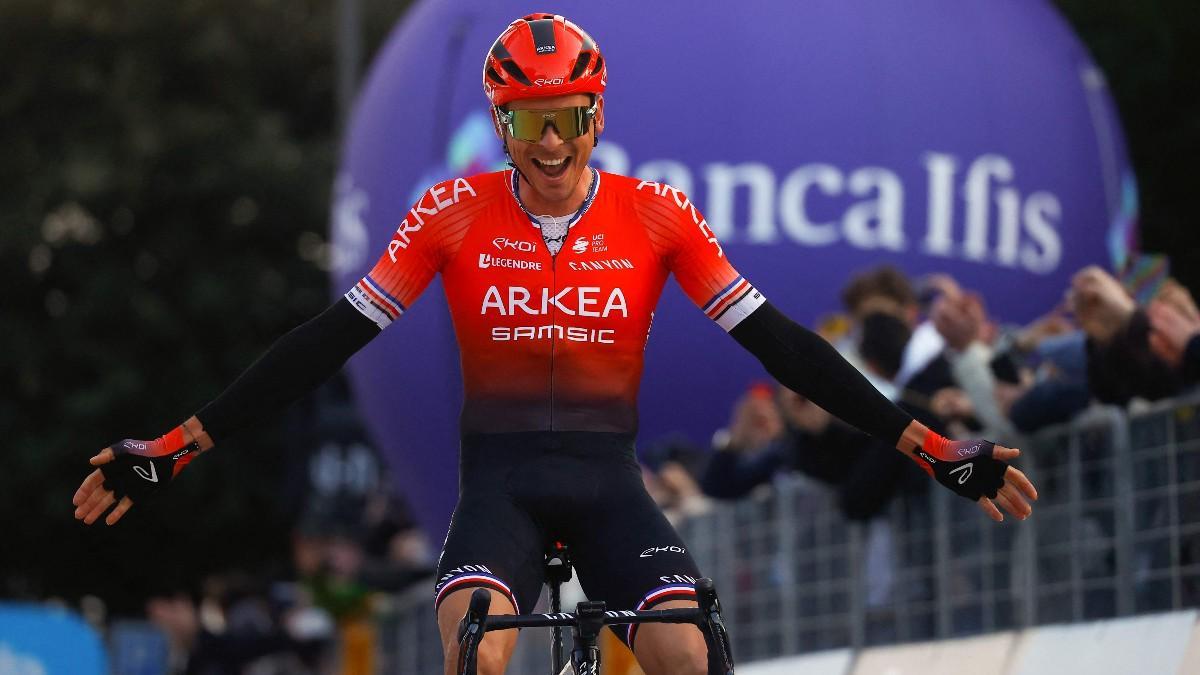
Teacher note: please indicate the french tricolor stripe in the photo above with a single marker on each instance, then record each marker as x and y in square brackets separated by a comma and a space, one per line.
[732, 293]
[722, 294]
[660, 594]
[374, 303]
[469, 580]
[392, 303]
[733, 303]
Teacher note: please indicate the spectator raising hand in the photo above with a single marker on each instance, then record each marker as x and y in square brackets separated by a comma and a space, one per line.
[1175, 331]
[801, 413]
[756, 420]
[960, 318]
[1174, 294]
[1100, 303]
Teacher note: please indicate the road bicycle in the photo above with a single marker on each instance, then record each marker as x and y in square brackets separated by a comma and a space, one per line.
[589, 618]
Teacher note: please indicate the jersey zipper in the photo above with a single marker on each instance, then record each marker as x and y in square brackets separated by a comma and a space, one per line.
[553, 323]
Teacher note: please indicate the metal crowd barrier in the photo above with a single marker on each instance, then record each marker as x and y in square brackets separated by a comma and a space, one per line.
[1116, 532]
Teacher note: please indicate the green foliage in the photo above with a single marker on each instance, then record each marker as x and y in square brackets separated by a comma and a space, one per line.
[1148, 52]
[167, 168]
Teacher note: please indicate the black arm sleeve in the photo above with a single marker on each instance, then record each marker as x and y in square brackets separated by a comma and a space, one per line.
[804, 362]
[299, 361]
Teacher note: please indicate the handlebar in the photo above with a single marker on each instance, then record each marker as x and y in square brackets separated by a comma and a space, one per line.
[611, 618]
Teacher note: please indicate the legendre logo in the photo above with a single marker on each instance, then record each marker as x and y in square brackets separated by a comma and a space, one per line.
[487, 260]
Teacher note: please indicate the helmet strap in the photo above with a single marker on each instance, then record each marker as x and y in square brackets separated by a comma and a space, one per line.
[595, 133]
[508, 157]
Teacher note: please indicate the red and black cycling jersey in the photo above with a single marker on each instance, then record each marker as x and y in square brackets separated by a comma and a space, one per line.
[552, 342]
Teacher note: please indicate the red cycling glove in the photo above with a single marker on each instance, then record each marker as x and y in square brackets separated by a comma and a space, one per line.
[966, 467]
[141, 468]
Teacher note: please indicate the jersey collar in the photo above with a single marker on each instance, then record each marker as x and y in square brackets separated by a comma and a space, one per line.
[514, 188]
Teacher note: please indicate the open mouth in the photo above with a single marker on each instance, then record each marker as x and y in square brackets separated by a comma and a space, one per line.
[552, 168]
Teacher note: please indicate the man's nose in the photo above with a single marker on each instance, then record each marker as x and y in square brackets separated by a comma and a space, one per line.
[550, 137]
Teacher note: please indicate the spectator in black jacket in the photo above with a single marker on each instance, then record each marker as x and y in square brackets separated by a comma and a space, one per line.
[1175, 332]
[1121, 364]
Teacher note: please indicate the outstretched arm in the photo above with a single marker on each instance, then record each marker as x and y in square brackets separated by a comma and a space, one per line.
[305, 357]
[807, 364]
[297, 362]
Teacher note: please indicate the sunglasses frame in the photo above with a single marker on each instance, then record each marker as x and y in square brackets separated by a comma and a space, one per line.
[505, 118]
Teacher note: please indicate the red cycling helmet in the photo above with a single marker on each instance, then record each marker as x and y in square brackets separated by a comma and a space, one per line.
[542, 55]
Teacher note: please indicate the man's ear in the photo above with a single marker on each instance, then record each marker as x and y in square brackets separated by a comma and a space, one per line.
[599, 116]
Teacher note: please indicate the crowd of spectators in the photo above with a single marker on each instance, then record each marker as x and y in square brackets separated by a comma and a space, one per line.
[931, 346]
[315, 620]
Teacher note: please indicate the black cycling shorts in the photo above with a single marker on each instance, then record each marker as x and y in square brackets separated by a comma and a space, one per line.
[521, 492]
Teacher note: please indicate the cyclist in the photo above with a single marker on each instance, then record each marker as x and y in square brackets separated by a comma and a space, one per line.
[552, 270]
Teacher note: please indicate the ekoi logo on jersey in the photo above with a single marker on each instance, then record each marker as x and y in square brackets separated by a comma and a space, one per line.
[437, 199]
[502, 243]
[681, 200]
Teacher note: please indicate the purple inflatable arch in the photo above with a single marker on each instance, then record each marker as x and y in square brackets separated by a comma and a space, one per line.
[819, 138]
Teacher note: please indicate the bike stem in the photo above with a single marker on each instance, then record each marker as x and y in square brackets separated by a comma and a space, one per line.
[585, 655]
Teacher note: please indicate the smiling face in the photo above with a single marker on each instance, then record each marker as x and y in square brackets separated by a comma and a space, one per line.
[554, 179]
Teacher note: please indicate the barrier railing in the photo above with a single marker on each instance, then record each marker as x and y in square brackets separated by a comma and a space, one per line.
[1116, 532]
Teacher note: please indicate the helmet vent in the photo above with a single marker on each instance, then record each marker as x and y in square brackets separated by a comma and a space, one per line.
[599, 64]
[581, 65]
[500, 52]
[515, 70]
[543, 36]
[493, 75]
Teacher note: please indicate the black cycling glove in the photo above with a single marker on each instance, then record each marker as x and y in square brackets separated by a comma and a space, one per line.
[966, 467]
[141, 468]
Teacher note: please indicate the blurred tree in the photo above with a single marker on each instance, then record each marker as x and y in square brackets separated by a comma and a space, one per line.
[1149, 51]
[168, 168]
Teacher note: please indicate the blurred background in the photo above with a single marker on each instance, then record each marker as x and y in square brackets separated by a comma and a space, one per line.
[984, 206]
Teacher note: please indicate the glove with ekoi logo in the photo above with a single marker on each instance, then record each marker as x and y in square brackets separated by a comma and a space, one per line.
[141, 468]
[966, 467]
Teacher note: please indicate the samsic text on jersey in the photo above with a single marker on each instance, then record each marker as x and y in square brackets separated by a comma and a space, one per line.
[552, 342]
